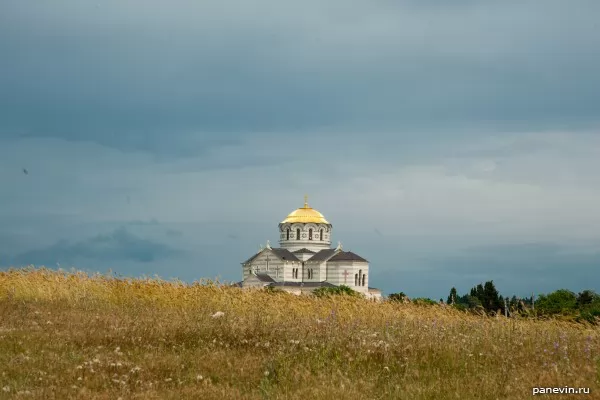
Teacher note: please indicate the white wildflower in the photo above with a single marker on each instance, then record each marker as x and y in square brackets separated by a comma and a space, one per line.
[6, 389]
[199, 377]
[218, 314]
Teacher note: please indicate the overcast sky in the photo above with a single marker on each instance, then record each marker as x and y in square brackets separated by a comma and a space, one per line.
[449, 142]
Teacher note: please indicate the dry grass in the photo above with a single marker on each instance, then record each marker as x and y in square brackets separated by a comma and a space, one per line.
[67, 335]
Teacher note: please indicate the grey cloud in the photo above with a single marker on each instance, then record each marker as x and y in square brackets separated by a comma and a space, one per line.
[120, 245]
[186, 78]
[174, 233]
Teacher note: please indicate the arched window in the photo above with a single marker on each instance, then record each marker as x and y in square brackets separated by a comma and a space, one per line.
[364, 278]
[355, 279]
[298, 234]
[321, 234]
[310, 234]
[288, 234]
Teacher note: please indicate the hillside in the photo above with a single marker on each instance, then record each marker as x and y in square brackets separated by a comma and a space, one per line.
[68, 335]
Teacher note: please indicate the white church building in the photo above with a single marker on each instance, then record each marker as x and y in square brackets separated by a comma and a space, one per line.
[305, 260]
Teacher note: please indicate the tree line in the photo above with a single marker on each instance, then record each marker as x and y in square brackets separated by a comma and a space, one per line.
[485, 298]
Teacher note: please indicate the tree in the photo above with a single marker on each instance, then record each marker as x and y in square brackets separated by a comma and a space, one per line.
[488, 296]
[586, 297]
[559, 302]
[339, 290]
[452, 297]
[399, 297]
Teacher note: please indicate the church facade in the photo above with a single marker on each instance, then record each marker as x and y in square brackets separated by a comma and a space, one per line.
[305, 259]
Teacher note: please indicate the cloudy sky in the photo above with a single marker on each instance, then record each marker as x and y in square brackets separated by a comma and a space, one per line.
[449, 142]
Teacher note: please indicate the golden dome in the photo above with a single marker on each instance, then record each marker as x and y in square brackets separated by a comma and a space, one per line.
[305, 214]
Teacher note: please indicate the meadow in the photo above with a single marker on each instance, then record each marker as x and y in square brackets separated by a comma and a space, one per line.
[69, 335]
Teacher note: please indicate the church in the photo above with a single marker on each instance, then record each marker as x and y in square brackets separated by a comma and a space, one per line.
[305, 260]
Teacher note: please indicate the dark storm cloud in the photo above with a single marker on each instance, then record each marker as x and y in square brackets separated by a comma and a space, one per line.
[515, 269]
[120, 245]
[181, 78]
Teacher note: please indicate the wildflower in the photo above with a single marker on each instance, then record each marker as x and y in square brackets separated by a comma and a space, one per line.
[6, 389]
[168, 380]
[218, 314]
[199, 377]
[386, 369]
[266, 373]
[80, 378]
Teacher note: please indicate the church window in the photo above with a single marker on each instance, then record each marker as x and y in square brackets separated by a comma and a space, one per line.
[298, 234]
[363, 279]
[288, 234]
[310, 234]
[355, 279]
[321, 234]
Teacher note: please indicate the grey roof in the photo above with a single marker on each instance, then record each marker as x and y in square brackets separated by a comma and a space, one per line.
[265, 277]
[347, 256]
[303, 284]
[304, 250]
[323, 255]
[283, 254]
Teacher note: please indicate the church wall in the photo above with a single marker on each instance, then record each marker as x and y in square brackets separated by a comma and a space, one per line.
[274, 262]
[336, 269]
[315, 244]
[253, 282]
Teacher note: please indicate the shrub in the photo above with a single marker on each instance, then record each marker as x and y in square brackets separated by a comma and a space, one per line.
[336, 291]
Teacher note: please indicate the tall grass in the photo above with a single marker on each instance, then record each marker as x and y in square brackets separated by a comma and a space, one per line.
[70, 335]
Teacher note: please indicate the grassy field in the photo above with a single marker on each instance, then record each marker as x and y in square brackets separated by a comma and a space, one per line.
[67, 335]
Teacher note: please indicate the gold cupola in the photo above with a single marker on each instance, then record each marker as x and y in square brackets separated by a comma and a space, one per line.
[305, 215]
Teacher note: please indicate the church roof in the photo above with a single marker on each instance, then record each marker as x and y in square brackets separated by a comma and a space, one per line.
[305, 214]
[283, 254]
[265, 278]
[304, 250]
[347, 256]
[323, 255]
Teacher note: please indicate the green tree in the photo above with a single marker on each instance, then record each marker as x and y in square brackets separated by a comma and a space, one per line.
[333, 291]
[559, 302]
[586, 297]
[452, 297]
[399, 297]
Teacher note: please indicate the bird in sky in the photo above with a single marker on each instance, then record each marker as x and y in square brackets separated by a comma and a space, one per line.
[25, 171]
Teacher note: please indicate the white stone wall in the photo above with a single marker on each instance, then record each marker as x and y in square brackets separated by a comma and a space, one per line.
[336, 269]
[316, 244]
[260, 262]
